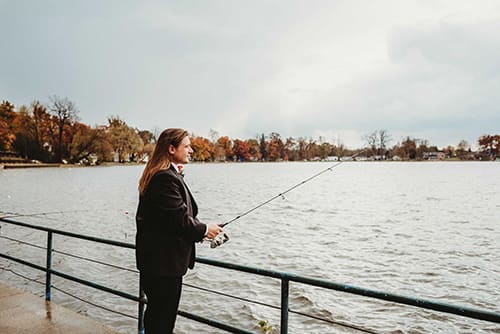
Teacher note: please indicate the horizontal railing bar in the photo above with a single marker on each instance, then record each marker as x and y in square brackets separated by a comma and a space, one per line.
[213, 323]
[96, 286]
[71, 234]
[26, 263]
[400, 299]
[74, 279]
[93, 304]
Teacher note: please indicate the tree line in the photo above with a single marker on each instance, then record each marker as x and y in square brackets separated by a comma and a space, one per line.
[52, 133]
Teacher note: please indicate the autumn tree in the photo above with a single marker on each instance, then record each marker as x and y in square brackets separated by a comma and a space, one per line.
[39, 128]
[147, 136]
[325, 149]
[408, 149]
[24, 143]
[29, 134]
[290, 150]
[489, 146]
[43, 126]
[7, 116]
[254, 149]
[202, 147]
[149, 140]
[86, 141]
[124, 139]
[312, 149]
[102, 147]
[275, 147]
[223, 149]
[241, 150]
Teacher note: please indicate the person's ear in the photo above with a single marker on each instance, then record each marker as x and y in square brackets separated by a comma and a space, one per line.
[171, 149]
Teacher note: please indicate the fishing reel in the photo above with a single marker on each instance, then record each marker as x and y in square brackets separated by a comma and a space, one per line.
[219, 240]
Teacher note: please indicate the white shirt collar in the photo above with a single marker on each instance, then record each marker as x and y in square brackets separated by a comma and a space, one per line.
[176, 166]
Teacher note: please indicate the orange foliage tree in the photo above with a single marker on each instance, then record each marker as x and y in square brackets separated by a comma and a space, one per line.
[275, 147]
[254, 149]
[202, 147]
[241, 150]
[223, 149]
[7, 116]
[489, 145]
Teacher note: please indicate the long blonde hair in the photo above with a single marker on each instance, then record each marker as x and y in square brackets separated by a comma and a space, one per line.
[161, 157]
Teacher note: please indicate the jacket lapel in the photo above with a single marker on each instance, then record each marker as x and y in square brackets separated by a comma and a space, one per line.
[190, 202]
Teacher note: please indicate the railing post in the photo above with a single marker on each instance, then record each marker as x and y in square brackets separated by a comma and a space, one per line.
[142, 295]
[284, 305]
[48, 267]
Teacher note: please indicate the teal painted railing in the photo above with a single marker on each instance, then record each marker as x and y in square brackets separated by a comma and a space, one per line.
[285, 278]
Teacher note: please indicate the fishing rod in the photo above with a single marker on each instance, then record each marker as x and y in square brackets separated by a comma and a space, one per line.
[223, 237]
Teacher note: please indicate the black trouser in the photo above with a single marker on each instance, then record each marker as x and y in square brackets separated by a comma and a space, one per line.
[163, 295]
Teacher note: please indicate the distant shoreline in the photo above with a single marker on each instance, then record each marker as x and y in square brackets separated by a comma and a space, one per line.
[27, 165]
[124, 164]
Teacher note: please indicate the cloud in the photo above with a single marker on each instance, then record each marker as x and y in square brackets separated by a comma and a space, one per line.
[442, 77]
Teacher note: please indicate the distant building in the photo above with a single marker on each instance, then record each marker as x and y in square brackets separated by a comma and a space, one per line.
[434, 155]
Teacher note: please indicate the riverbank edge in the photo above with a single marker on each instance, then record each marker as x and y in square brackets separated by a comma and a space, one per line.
[111, 164]
[28, 165]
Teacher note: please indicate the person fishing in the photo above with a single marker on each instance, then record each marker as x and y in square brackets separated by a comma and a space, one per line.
[167, 229]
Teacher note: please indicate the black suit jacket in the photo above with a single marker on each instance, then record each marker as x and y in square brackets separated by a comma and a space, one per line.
[167, 227]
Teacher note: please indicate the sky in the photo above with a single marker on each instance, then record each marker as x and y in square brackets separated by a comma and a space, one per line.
[428, 69]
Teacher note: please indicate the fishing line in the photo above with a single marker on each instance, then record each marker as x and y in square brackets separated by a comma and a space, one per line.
[39, 215]
[223, 237]
[16, 215]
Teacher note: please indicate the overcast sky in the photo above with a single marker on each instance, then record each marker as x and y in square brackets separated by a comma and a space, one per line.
[426, 69]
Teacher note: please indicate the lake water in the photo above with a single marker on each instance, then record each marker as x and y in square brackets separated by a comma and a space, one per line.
[430, 230]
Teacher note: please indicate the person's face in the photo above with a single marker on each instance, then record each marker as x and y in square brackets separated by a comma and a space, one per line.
[181, 153]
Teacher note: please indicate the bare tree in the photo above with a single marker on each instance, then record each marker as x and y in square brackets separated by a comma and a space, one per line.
[372, 140]
[65, 113]
[214, 135]
[378, 141]
[383, 140]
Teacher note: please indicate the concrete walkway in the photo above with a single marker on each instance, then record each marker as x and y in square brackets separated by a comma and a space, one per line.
[24, 313]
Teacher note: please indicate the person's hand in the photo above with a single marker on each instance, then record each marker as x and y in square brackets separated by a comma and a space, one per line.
[213, 230]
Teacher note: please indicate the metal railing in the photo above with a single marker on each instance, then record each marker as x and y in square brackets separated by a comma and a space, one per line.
[284, 277]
